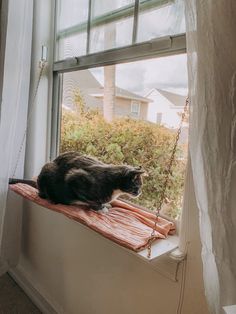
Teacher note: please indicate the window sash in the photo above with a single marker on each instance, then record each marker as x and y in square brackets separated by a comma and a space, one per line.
[130, 10]
[165, 46]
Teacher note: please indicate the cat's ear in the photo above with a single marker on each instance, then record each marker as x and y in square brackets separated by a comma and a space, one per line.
[139, 171]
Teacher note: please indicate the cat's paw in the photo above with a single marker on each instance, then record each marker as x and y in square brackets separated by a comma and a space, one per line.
[105, 208]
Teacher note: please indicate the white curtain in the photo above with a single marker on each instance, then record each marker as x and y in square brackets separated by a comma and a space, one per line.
[211, 44]
[15, 75]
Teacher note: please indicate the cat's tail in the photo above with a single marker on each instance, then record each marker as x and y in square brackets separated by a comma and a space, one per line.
[25, 181]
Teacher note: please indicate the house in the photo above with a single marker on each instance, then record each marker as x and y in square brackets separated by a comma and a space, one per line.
[127, 104]
[165, 108]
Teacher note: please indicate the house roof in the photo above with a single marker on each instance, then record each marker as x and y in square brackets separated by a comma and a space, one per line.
[91, 89]
[81, 79]
[175, 99]
[120, 92]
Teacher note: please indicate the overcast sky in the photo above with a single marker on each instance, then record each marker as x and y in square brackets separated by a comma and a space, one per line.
[169, 73]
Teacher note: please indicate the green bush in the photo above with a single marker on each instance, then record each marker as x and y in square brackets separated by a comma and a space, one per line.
[132, 142]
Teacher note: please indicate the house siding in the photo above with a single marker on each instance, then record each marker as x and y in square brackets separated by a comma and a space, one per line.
[161, 105]
[123, 109]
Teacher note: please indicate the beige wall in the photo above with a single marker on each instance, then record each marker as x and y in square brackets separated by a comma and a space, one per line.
[123, 108]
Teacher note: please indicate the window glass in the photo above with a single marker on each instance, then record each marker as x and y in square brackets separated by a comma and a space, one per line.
[72, 16]
[111, 24]
[133, 95]
[135, 107]
[101, 7]
[164, 19]
[159, 117]
[72, 46]
[71, 13]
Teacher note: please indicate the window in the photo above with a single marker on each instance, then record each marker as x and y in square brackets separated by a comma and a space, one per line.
[135, 108]
[112, 66]
[159, 117]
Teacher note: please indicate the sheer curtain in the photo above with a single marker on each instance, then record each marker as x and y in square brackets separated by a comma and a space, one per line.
[211, 26]
[15, 76]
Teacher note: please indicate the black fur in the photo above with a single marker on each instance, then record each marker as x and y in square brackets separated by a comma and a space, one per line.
[25, 181]
[72, 177]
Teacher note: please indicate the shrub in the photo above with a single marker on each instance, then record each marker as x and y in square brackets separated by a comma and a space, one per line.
[132, 142]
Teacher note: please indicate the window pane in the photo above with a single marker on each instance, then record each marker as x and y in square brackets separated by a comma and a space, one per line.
[135, 108]
[111, 24]
[111, 35]
[159, 21]
[72, 18]
[71, 12]
[100, 7]
[159, 117]
[147, 98]
[72, 46]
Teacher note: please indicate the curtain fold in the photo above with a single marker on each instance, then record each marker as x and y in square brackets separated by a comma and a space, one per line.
[211, 46]
[13, 119]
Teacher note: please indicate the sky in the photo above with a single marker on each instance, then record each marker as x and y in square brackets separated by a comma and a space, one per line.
[168, 73]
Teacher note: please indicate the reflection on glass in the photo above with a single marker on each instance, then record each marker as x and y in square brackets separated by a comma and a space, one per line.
[111, 35]
[159, 21]
[111, 24]
[72, 18]
[100, 7]
[72, 46]
[71, 12]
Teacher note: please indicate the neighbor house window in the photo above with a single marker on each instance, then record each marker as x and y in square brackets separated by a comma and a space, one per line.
[159, 117]
[135, 108]
[114, 60]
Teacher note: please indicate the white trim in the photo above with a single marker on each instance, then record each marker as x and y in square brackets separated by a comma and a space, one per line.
[35, 296]
[159, 248]
[160, 47]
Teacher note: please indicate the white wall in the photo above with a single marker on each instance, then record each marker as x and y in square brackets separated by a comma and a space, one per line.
[76, 270]
[170, 117]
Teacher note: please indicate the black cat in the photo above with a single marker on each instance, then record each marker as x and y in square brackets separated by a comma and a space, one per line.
[73, 178]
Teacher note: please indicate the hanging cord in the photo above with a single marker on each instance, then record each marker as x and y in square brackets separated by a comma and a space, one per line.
[166, 179]
[42, 65]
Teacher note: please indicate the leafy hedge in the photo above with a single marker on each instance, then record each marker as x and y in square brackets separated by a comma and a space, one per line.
[132, 142]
